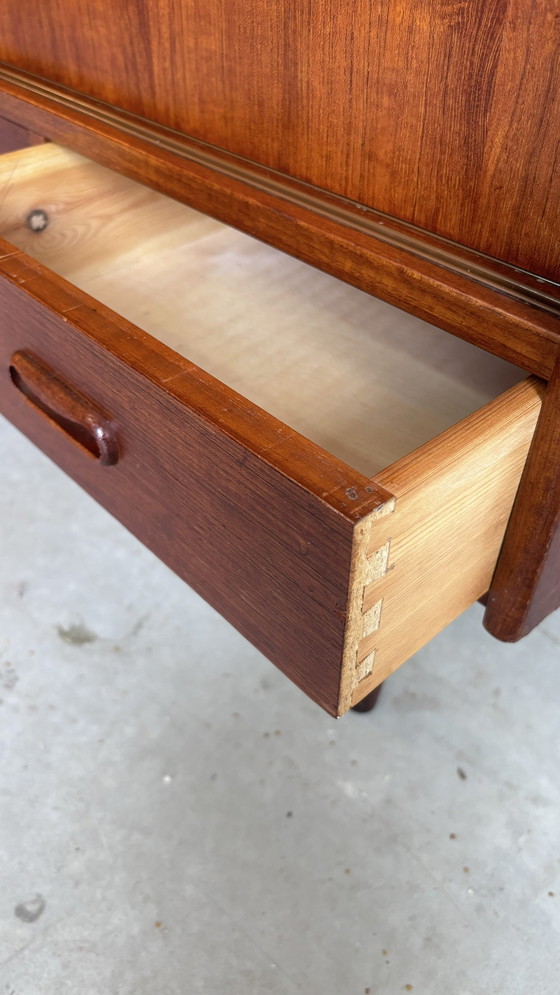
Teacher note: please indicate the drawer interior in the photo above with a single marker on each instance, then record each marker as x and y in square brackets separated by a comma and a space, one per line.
[365, 381]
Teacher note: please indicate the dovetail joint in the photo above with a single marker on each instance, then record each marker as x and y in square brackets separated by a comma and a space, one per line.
[377, 564]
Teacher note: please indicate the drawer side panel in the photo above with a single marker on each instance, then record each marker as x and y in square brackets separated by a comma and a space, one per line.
[434, 554]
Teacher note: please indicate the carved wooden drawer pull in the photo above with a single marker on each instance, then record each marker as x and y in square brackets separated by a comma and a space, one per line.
[65, 406]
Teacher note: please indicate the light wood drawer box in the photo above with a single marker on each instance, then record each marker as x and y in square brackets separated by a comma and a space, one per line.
[335, 477]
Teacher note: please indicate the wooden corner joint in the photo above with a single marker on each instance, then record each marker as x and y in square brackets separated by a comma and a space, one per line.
[377, 564]
[369, 565]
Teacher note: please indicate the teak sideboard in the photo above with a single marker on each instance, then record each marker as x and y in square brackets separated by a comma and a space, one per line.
[201, 207]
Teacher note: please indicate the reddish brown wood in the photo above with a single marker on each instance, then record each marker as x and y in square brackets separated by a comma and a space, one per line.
[253, 516]
[284, 214]
[440, 112]
[13, 136]
[70, 411]
[526, 585]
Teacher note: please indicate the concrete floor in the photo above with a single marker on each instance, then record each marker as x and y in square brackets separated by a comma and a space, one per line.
[177, 818]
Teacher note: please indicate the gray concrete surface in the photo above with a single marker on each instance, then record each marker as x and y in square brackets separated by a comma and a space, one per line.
[176, 818]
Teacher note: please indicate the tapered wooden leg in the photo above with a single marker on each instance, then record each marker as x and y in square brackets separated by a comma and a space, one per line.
[526, 584]
[367, 703]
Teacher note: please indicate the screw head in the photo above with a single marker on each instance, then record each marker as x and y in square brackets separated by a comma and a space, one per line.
[37, 220]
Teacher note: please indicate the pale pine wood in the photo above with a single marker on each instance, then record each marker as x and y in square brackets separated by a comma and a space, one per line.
[96, 216]
[362, 379]
[424, 558]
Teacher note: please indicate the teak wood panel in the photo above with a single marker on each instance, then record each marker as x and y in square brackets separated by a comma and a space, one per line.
[257, 519]
[443, 113]
[423, 558]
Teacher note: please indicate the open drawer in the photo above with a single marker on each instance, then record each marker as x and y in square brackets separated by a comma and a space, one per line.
[333, 475]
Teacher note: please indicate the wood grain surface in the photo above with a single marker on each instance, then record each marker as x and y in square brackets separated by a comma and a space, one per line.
[439, 112]
[424, 559]
[526, 585]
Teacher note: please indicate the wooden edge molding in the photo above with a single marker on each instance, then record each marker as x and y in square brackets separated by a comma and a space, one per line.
[526, 585]
[509, 313]
[424, 557]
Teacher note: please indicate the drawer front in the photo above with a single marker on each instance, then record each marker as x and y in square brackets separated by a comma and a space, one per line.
[188, 479]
